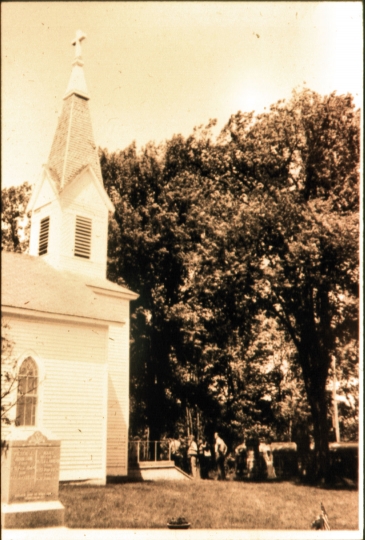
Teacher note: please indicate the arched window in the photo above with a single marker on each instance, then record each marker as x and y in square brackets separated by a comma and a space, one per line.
[27, 393]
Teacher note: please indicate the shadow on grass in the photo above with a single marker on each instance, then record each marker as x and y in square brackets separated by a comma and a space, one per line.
[337, 484]
[127, 480]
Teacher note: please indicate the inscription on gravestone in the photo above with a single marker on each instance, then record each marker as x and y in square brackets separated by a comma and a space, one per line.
[29, 481]
[34, 470]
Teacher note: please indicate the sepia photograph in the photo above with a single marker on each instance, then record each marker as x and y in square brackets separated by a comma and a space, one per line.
[181, 270]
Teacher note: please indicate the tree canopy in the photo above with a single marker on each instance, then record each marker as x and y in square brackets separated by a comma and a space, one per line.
[216, 235]
[14, 223]
[302, 161]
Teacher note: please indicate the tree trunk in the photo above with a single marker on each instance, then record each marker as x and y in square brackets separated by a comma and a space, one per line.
[157, 372]
[314, 356]
[315, 364]
[318, 405]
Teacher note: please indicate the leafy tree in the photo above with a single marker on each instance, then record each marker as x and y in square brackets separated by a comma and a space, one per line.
[271, 383]
[299, 166]
[9, 381]
[168, 240]
[142, 250]
[15, 226]
[216, 236]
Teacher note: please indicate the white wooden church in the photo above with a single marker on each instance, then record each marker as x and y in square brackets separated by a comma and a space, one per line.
[68, 323]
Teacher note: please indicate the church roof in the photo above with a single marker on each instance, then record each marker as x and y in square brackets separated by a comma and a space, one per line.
[73, 145]
[31, 284]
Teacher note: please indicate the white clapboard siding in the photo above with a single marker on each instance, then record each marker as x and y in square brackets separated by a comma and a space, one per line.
[83, 266]
[63, 341]
[68, 234]
[118, 397]
[72, 389]
[77, 416]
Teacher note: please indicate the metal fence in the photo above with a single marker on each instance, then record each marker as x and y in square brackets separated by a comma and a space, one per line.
[148, 451]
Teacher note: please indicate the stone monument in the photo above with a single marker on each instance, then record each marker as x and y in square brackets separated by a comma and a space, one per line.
[29, 481]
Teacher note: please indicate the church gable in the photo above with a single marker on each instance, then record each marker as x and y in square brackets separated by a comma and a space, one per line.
[44, 193]
[86, 193]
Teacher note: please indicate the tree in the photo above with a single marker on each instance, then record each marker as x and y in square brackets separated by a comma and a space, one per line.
[141, 249]
[299, 167]
[216, 235]
[14, 223]
[168, 240]
[9, 381]
[269, 398]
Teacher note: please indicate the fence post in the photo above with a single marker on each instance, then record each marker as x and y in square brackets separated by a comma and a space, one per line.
[137, 451]
[155, 450]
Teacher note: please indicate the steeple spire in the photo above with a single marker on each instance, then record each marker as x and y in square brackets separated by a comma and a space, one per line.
[77, 83]
[73, 145]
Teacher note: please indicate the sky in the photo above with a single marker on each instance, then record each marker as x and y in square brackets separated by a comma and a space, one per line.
[155, 69]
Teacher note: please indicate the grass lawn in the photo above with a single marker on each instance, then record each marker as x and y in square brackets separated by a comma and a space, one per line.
[206, 505]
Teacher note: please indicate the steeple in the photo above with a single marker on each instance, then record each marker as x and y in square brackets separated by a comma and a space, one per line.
[69, 205]
[73, 145]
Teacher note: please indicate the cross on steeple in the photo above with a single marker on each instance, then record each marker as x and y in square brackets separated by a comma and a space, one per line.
[77, 84]
[77, 41]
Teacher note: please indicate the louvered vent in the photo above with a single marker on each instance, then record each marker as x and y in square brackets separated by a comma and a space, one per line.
[83, 237]
[43, 236]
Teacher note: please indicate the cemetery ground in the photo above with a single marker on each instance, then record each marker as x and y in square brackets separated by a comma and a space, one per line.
[207, 504]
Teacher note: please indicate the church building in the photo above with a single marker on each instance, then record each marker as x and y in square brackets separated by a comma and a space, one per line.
[68, 324]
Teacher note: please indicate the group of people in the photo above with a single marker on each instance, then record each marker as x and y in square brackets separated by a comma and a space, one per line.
[197, 457]
[254, 460]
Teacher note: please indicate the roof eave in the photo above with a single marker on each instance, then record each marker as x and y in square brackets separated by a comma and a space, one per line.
[124, 294]
[64, 317]
[79, 93]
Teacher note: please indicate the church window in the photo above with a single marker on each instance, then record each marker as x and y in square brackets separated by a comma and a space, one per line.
[83, 237]
[27, 393]
[43, 236]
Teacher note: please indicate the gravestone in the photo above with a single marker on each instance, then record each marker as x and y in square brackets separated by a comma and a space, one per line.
[29, 481]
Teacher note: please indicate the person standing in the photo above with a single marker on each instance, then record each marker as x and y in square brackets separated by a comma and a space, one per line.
[240, 460]
[266, 453]
[175, 450]
[204, 458]
[253, 458]
[192, 455]
[220, 449]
